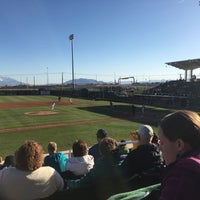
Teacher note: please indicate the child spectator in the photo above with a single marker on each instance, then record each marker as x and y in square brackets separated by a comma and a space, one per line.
[55, 159]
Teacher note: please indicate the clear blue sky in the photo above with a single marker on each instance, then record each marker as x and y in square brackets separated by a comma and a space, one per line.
[112, 38]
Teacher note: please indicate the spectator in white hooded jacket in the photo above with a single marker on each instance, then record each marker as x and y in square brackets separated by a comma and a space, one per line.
[80, 163]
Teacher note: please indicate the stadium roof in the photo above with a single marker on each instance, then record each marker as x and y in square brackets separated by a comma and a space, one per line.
[186, 64]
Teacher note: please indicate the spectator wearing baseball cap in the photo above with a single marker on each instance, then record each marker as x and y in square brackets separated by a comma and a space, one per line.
[144, 158]
[94, 150]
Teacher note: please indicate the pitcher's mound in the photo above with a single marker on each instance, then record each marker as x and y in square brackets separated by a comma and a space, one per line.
[41, 113]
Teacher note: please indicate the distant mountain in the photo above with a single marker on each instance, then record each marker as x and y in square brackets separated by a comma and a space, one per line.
[84, 81]
[6, 81]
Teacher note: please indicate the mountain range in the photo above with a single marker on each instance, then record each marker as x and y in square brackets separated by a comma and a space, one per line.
[84, 81]
[6, 81]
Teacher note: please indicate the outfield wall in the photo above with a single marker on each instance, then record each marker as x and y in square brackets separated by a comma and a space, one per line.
[100, 94]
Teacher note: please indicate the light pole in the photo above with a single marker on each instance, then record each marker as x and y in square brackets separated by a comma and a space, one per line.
[71, 37]
[47, 76]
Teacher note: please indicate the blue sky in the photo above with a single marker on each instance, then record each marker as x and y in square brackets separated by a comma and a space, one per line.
[112, 38]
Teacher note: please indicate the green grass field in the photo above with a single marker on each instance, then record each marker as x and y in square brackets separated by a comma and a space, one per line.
[77, 121]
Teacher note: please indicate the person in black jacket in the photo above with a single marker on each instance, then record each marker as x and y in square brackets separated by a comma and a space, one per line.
[94, 150]
[144, 164]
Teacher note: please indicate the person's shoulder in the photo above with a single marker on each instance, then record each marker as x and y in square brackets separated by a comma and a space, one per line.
[187, 166]
[47, 157]
[148, 147]
[73, 160]
[88, 157]
[60, 154]
[190, 161]
[46, 169]
[140, 150]
[94, 147]
[6, 170]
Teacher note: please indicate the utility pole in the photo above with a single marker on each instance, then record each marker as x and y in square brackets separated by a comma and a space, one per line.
[71, 37]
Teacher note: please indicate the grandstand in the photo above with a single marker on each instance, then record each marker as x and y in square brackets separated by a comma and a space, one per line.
[186, 65]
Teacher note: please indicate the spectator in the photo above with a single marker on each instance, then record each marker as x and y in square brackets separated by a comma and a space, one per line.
[9, 161]
[146, 157]
[29, 179]
[134, 138]
[80, 163]
[55, 159]
[105, 178]
[94, 150]
[123, 149]
[179, 135]
[155, 139]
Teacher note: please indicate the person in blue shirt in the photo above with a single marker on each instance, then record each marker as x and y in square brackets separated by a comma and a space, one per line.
[55, 159]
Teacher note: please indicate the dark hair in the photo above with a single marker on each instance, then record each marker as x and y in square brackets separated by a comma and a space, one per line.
[9, 161]
[182, 124]
[122, 145]
[79, 148]
[107, 146]
[101, 133]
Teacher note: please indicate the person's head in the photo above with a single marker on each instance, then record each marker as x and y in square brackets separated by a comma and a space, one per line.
[9, 161]
[107, 146]
[52, 147]
[101, 133]
[79, 148]
[29, 156]
[145, 134]
[123, 145]
[179, 132]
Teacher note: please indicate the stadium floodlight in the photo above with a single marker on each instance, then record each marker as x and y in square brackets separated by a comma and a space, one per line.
[71, 38]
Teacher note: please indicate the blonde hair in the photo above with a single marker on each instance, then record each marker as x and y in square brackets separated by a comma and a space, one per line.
[52, 147]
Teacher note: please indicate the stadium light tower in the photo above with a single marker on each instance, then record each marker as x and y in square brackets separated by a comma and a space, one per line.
[71, 37]
[47, 76]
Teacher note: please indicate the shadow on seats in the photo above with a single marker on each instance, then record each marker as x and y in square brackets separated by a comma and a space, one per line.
[146, 178]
